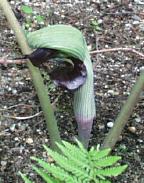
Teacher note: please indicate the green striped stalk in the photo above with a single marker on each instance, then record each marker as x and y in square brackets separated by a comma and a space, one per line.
[84, 104]
[70, 42]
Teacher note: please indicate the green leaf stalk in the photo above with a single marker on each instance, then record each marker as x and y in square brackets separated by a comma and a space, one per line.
[35, 74]
[122, 119]
[84, 104]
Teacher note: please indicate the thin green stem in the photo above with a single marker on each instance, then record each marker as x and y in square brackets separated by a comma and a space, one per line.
[35, 74]
[122, 119]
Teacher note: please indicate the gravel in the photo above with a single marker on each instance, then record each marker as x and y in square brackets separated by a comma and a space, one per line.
[121, 25]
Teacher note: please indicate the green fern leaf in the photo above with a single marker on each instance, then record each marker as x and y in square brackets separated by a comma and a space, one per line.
[80, 145]
[24, 177]
[56, 171]
[61, 160]
[80, 159]
[61, 174]
[44, 175]
[109, 172]
[108, 161]
[68, 169]
[69, 165]
[80, 150]
[95, 155]
[80, 153]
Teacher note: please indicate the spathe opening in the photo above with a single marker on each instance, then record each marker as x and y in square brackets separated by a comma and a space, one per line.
[69, 73]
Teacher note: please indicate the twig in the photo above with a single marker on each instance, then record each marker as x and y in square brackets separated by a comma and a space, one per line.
[14, 106]
[132, 50]
[23, 118]
[26, 105]
[27, 117]
[5, 61]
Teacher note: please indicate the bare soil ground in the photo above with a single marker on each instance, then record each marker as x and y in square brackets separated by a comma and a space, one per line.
[122, 25]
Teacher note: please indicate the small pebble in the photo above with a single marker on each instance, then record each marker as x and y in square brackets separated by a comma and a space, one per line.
[100, 21]
[120, 138]
[132, 129]
[12, 127]
[44, 154]
[16, 139]
[137, 37]
[14, 91]
[12, 2]
[110, 92]
[89, 47]
[141, 69]
[3, 163]
[9, 89]
[33, 150]
[110, 124]
[11, 31]
[46, 140]
[135, 17]
[128, 26]
[136, 22]
[137, 150]
[101, 127]
[106, 86]
[138, 120]
[29, 141]
[140, 140]
[25, 1]
[50, 160]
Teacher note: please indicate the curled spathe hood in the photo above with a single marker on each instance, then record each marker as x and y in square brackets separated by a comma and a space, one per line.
[70, 75]
[53, 40]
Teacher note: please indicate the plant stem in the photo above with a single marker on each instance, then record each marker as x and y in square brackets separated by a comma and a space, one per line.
[122, 119]
[132, 50]
[35, 74]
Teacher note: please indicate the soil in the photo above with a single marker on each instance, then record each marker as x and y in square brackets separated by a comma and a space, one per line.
[121, 24]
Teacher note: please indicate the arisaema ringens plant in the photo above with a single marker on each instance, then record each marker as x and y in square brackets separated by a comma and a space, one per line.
[68, 43]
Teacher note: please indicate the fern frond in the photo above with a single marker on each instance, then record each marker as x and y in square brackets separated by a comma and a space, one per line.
[73, 149]
[108, 161]
[80, 145]
[80, 159]
[109, 172]
[56, 171]
[95, 155]
[77, 165]
[70, 166]
[44, 175]
[24, 177]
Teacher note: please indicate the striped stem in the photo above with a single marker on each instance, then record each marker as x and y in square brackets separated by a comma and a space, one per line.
[84, 104]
